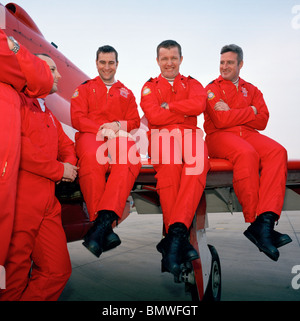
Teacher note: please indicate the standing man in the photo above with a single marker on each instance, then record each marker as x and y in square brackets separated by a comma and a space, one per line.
[171, 103]
[38, 264]
[104, 111]
[235, 112]
[19, 71]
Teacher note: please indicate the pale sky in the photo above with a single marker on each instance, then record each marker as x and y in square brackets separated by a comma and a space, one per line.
[268, 31]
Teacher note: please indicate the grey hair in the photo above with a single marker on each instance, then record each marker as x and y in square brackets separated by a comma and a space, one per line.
[234, 48]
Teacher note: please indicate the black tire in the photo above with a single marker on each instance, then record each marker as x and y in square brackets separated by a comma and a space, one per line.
[213, 290]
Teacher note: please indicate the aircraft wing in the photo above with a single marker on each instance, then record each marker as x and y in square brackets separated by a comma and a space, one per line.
[220, 196]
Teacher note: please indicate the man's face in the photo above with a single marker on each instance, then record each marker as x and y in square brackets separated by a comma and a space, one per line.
[56, 75]
[107, 66]
[229, 67]
[169, 62]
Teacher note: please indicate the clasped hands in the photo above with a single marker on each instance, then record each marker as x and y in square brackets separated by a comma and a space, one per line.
[111, 130]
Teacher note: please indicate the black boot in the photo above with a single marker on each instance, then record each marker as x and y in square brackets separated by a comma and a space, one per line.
[279, 239]
[188, 252]
[172, 247]
[260, 233]
[101, 237]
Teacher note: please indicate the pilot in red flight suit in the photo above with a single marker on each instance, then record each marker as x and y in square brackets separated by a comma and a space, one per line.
[38, 264]
[235, 112]
[104, 111]
[19, 70]
[171, 103]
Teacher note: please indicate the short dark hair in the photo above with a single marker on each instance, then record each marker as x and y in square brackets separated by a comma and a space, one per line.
[168, 44]
[107, 49]
[234, 48]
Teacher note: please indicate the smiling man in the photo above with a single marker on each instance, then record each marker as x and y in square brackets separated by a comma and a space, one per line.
[104, 111]
[235, 112]
[171, 103]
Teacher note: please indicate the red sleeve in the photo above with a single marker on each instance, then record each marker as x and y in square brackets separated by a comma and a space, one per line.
[66, 149]
[10, 72]
[261, 118]
[33, 159]
[195, 104]
[155, 114]
[37, 73]
[80, 110]
[24, 69]
[226, 119]
[132, 118]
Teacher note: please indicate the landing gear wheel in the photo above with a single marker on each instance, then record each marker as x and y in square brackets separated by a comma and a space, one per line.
[213, 290]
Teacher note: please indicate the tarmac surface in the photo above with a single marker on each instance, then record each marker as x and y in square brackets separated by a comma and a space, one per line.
[132, 271]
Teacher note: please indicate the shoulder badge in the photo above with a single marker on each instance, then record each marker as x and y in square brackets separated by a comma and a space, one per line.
[146, 91]
[210, 95]
[76, 94]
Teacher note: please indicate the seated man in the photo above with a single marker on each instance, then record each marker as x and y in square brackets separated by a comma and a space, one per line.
[171, 103]
[104, 111]
[235, 112]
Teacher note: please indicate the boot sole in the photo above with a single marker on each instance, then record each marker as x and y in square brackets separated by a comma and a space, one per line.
[92, 247]
[112, 244]
[186, 258]
[263, 249]
[284, 242]
[174, 269]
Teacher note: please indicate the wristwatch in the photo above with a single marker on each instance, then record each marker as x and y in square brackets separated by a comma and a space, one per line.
[16, 47]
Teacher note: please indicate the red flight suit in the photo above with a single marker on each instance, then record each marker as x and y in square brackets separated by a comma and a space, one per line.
[234, 135]
[21, 71]
[38, 235]
[180, 190]
[93, 105]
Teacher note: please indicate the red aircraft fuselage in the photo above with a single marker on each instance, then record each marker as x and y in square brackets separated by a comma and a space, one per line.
[18, 23]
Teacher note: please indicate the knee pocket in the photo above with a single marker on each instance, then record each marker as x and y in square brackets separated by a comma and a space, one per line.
[240, 174]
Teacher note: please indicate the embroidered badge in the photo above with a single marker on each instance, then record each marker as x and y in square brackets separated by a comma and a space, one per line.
[245, 92]
[146, 91]
[76, 94]
[124, 92]
[210, 95]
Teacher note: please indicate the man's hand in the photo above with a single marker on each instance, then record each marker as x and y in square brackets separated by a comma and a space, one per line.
[106, 132]
[122, 133]
[221, 106]
[70, 172]
[165, 106]
[110, 134]
[113, 126]
[254, 109]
